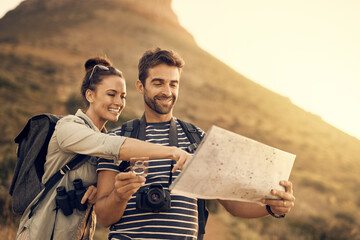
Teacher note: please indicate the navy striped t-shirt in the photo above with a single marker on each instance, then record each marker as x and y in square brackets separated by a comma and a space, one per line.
[181, 220]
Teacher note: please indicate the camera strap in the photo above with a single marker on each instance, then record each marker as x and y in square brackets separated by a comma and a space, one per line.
[173, 141]
[173, 137]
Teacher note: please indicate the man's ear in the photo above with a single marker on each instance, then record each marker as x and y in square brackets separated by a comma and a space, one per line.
[90, 95]
[139, 87]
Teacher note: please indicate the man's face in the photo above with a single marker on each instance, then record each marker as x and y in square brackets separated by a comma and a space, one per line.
[161, 88]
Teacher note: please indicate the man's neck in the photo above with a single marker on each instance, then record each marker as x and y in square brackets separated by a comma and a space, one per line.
[153, 117]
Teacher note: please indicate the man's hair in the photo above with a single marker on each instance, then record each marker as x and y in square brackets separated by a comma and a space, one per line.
[157, 56]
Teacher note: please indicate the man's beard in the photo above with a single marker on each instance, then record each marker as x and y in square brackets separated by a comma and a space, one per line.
[158, 108]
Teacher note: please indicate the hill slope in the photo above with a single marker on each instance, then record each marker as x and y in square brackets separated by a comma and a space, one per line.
[44, 43]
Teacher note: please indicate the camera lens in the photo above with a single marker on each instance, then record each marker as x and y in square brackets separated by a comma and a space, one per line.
[155, 197]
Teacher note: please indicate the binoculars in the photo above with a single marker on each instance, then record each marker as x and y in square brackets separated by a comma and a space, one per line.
[67, 201]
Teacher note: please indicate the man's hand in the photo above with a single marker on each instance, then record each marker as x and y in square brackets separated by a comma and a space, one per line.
[287, 202]
[126, 184]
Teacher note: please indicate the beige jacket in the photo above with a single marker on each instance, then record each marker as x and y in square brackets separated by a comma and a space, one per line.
[71, 136]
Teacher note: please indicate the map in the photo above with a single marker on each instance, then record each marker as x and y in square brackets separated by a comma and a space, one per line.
[229, 166]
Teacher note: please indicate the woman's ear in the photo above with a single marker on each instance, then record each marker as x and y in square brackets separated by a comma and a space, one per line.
[139, 87]
[90, 95]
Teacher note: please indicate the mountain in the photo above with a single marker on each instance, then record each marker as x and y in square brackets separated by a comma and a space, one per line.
[44, 44]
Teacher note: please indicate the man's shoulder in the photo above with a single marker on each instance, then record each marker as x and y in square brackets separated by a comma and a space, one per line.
[118, 130]
[186, 123]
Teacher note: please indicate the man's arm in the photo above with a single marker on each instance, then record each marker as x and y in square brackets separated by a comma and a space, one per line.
[114, 192]
[254, 210]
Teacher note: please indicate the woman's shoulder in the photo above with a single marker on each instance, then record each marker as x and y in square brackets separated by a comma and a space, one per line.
[71, 119]
[79, 117]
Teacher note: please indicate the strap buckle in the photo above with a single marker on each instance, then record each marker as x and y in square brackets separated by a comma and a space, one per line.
[64, 169]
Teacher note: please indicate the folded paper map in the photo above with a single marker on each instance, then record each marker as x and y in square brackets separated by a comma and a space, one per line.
[229, 166]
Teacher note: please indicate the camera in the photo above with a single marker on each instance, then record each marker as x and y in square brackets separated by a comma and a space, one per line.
[67, 201]
[154, 198]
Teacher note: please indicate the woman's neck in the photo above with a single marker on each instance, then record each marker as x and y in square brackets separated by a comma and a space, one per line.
[98, 122]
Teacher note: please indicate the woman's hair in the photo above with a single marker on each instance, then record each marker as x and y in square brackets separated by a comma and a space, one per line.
[157, 56]
[96, 69]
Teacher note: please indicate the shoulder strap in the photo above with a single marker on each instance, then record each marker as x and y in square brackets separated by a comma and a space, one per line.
[195, 138]
[50, 183]
[192, 134]
[203, 215]
[130, 128]
[56, 178]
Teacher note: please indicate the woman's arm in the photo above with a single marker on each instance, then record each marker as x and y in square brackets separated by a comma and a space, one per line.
[137, 148]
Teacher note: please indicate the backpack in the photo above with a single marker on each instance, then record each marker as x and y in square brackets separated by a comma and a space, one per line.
[135, 129]
[33, 143]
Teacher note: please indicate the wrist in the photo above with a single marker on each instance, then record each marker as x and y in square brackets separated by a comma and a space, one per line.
[174, 153]
[117, 198]
[268, 209]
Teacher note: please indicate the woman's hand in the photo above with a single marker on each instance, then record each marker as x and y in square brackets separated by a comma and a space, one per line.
[181, 157]
[90, 195]
[287, 202]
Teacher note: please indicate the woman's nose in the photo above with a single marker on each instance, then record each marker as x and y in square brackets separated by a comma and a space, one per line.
[120, 101]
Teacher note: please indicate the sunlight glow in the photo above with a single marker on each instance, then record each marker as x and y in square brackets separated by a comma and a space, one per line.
[308, 51]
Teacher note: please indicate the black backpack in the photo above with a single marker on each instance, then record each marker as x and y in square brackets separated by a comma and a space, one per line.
[135, 129]
[33, 143]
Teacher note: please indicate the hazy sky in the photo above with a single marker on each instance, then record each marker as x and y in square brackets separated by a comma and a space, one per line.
[307, 50]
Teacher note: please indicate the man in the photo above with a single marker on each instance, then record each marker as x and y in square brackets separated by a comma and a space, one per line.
[159, 80]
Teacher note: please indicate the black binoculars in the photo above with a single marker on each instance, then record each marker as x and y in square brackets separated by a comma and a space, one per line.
[67, 201]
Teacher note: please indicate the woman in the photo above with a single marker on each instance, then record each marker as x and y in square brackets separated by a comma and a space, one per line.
[104, 92]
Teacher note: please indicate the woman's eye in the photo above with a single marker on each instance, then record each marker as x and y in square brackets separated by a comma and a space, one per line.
[112, 95]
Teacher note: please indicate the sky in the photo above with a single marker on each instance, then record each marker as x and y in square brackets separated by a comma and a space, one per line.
[306, 50]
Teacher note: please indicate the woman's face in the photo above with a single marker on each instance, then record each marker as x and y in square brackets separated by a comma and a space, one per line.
[108, 100]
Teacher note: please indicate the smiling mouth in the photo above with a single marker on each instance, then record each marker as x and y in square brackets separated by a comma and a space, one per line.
[165, 100]
[114, 110]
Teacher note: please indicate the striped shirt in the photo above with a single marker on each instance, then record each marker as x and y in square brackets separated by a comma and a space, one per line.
[181, 220]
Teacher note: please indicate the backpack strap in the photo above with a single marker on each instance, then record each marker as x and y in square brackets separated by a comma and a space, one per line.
[130, 128]
[195, 138]
[50, 183]
[203, 215]
[56, 178]
[192, 134]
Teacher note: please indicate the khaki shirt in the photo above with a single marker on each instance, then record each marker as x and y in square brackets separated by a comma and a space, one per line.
[71, 136]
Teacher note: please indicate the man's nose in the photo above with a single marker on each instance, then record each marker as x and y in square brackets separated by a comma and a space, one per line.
[166, 90]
